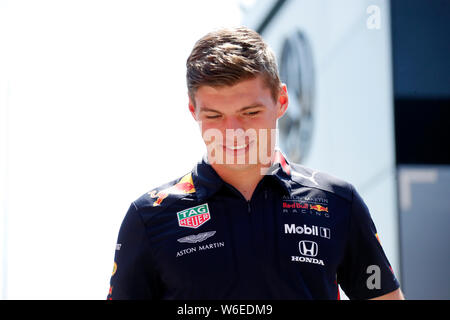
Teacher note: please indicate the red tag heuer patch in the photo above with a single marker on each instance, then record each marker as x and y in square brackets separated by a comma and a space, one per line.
[194, 217]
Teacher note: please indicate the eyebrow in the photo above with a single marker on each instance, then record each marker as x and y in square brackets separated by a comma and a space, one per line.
[253, 105]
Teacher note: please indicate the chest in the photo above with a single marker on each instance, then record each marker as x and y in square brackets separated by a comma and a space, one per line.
[225, 242]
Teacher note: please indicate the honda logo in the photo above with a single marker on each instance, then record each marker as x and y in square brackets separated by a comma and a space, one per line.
[308, 248]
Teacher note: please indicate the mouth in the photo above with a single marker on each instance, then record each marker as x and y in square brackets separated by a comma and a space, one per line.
[237, 147]
[237, 150]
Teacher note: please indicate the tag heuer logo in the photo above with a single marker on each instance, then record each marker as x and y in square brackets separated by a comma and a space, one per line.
[193, 217]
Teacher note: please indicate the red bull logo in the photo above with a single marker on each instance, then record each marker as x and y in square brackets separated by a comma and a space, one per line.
[184, 186]
[318, 207]
[294, 205]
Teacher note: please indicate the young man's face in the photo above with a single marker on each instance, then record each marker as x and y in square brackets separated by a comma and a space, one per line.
[238, 122]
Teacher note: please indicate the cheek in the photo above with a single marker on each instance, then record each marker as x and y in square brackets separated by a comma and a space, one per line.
[211, 133]
[268, 125]
[268, 122]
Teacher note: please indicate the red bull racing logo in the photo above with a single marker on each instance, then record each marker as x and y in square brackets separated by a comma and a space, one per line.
[316, 206]
[184, 186]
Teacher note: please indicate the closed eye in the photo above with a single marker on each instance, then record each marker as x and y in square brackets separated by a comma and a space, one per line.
[213, 117]
[251, 113]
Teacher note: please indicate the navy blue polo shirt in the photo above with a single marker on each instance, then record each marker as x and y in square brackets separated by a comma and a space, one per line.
[302, 233]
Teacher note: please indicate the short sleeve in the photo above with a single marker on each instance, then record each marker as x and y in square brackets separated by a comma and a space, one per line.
[134, 276]
[365, 272]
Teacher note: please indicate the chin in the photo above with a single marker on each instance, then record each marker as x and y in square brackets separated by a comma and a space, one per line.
[240, 167]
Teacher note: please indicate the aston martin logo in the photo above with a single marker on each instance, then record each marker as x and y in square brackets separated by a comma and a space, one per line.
[197, 237]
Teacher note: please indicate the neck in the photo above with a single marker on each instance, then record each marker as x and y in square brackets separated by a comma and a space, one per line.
[244, 179]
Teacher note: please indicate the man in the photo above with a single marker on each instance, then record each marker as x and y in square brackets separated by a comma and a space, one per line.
[246, 223]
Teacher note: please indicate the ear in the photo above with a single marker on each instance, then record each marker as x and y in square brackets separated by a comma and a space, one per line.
[283, 101]
[192, 109]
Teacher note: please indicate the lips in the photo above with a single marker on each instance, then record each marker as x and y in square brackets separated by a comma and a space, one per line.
[234, 147]
[243, 146]
[233, 152]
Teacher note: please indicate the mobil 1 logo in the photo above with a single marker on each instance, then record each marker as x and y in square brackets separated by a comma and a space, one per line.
[307, 230]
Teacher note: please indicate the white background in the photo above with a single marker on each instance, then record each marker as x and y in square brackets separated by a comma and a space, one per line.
[93, 113]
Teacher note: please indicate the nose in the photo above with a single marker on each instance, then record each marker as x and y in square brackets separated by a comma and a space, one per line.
[232, 122]
[234, 131]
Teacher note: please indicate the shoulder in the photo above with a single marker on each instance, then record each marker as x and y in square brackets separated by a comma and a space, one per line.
[305, 176]
[163, 197]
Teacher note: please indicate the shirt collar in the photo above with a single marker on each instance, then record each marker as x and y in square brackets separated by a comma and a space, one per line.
[207, 182]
